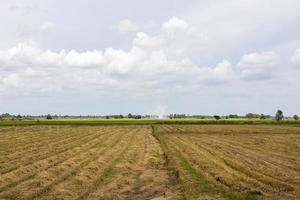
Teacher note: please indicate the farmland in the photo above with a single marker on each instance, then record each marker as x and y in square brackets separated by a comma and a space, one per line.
[234, 162]
[159, 161]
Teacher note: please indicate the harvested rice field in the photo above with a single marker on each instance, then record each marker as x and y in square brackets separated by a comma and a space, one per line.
[82, 162]
[234, 161]
[150, 162]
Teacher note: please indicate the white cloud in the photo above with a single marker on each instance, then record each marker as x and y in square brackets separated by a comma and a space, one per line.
[126, 26]
[143, 40]
[296, 57]
[47, 27]
[258, 65]
[155, 62]
[175, 24]
[223, 71]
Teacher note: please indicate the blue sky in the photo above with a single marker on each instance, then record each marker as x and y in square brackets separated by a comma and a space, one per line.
[149, 57]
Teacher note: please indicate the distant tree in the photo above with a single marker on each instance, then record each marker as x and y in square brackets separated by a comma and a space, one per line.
[129, 115]
[6, 115]
[19, 117]
[279, 115]
[295, 117]
[233, 116]
[107, 117]
[217, 117]
[137, 117]
[252, 115]
[262, 116]
[177, 116]
[48, 116]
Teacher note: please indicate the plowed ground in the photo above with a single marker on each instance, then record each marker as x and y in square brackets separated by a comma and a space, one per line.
[150, 162]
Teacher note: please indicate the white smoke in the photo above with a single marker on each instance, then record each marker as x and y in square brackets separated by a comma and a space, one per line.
[159, 111]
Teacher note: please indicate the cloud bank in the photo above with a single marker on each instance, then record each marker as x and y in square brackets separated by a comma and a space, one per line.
[152, 62]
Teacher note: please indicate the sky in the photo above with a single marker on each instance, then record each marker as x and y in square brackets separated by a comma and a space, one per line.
[98, 57]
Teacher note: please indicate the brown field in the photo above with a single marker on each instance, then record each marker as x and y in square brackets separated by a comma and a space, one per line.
[82, 162]
[234, 161]
[150, 162]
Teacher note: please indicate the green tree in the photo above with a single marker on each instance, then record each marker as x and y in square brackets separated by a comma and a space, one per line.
[295, 117]
[48, 116]
[252, 115]
[279, 115]
[217, 117]
[137, 117]
[262, 116]
[233, 116]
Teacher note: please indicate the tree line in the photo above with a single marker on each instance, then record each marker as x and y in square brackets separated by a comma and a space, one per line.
[278, 116]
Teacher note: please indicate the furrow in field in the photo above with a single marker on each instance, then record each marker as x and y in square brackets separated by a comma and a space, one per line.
[44, 155]
[29, 135]
[17, 133]
[32, 144]
[77, 184]
[48, 133]
[207, 139]
[256, 146]
[45, 180]
[210, 166]
[265, 172]
[270, 185]
[219, 142]
[36, 148]
[17, 177]
[242, 129]
[148, 177]
[268, 159]
[71, 186]
[193, 185]
[119, 175]
[108, 170]
[14, 145]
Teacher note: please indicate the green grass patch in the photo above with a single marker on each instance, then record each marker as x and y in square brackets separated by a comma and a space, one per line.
[101, 121]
